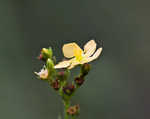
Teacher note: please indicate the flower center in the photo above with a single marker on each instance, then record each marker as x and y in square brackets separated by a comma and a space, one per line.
[78, 53]
[79, 58]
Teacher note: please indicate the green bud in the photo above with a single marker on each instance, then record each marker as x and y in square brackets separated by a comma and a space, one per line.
[49, 64]
[46, 53]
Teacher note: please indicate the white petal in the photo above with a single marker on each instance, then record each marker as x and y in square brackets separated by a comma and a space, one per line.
[36, 73]
[43, 74]
[90, 48]
[95, 56]
[69, 49]
[62, 64]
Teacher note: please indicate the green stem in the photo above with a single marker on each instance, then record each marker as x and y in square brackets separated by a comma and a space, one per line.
[66, 106]
[73, 117]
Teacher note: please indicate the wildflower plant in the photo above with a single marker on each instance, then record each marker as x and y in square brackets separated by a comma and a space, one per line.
[57, 75]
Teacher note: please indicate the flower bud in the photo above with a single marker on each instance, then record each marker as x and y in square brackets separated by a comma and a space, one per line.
[63, 75]
[73, 110]
[40, 57]
[69, 89]
[85, 69]
[45, 54]
[79, 80]
[49, 64]
[56, 84]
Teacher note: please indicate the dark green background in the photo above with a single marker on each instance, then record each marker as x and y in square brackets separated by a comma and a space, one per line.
[118, 86]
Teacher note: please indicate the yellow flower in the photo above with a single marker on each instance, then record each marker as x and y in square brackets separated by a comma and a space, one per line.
[43, 74]
[77, 55]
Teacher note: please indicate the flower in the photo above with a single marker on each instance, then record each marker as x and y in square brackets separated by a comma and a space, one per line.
[77, 55]
[43, 74]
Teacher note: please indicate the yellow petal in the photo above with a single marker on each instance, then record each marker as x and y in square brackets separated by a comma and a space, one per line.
[62, 64]
[89, 48]
[95, 56]
[71, 49]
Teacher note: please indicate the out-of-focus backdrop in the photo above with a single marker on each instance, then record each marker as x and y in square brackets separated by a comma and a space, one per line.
[118, 85]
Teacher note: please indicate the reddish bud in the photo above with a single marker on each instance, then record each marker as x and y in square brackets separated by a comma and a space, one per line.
[61, 73]
[85, 69]
[56, 85]
[79, 81]
[69, 89]
[40, 57]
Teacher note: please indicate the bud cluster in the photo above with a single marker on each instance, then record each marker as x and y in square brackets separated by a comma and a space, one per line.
[58, 79]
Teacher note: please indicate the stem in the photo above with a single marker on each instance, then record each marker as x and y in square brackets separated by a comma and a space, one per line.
[73, 117]
[66, 106]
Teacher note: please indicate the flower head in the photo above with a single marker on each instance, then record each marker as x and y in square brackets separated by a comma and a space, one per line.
[43, 74]
[77, 55]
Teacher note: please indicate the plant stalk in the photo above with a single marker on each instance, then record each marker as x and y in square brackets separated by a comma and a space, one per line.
[66, 106]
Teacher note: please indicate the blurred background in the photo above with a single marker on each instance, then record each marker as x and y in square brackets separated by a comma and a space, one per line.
[118, 85]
